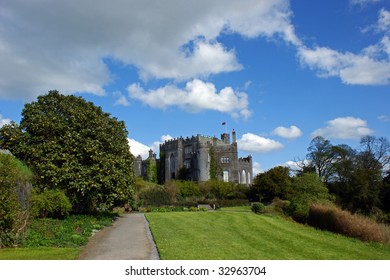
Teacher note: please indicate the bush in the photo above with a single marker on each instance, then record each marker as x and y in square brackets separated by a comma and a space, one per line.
[14, 199]
[73, 231]
[156, 196]
[50, 204]
[257, 207]
[306, 190]
[329, 217]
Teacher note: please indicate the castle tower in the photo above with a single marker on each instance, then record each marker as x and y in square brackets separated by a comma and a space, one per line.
[225, 137]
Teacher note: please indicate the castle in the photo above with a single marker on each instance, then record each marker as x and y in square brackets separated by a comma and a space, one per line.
[198, 158]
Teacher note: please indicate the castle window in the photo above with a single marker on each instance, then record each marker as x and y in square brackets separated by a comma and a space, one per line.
[188, 150]
[243, 177]
[187, 163]
[226, 176]
[225, 160]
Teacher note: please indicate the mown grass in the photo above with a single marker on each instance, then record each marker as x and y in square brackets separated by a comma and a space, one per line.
[229, 235]
[236, 209]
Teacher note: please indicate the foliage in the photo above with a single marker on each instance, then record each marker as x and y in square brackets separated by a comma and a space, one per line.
[50, 204]
[172, 190]
[40, 254]
[14, 199]
[307, 189]
[228, 202]
[215, 171]
[220, 235]
[151, 170]
[183, 174]
[188, 189]
[321, 156]
[354, 176]
[357, 179]
[154, 196]
[257, 207]
[276, 182]
[329, 217]
[224, 190]
[385, 192]
[73, 231]
[379, 148]
[72, 145]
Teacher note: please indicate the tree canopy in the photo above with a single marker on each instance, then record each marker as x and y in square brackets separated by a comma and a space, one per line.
[276, 182]
[71, 144]
[355, 176]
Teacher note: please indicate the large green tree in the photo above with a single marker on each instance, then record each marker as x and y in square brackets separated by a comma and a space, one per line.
[71, 144]
[321, 156]
[276, 182]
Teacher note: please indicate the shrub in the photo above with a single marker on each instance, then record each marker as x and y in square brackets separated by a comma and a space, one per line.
[73, 231]
[188, 189]
[14, 199]
[156, 196]
[257, 207]
[279, 204]
[306, 190]
[329, 217]
[50, 204]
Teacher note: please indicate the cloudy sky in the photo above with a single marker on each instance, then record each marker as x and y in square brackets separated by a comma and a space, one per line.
[278, 72]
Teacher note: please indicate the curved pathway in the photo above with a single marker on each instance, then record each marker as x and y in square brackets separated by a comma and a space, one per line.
[129, 238]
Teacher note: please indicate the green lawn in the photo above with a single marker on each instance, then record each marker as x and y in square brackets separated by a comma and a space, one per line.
[244, 235]
[39, 253]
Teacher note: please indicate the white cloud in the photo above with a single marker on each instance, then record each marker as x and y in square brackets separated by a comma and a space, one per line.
[296, 165]
[156, 144]
[344, 128]
[64, 46]
[287, 132]
[4, 121]
[370, 67]
[383, 24]
[138, 148]
[352, 69]
[363, 2]
[196, 96]
[253, 143]
[257, 169]
[120, 99]
[384, 118]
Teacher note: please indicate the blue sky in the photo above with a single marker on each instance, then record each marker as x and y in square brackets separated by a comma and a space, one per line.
[278, 72]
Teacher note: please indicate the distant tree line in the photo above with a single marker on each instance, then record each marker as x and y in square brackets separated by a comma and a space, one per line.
[357, 180]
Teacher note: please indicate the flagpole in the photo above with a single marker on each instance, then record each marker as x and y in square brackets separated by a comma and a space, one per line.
[225, 125]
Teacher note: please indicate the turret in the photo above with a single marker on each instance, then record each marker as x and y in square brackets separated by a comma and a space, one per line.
[225, 138]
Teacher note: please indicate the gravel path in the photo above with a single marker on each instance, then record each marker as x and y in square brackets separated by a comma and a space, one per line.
[128, 239]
